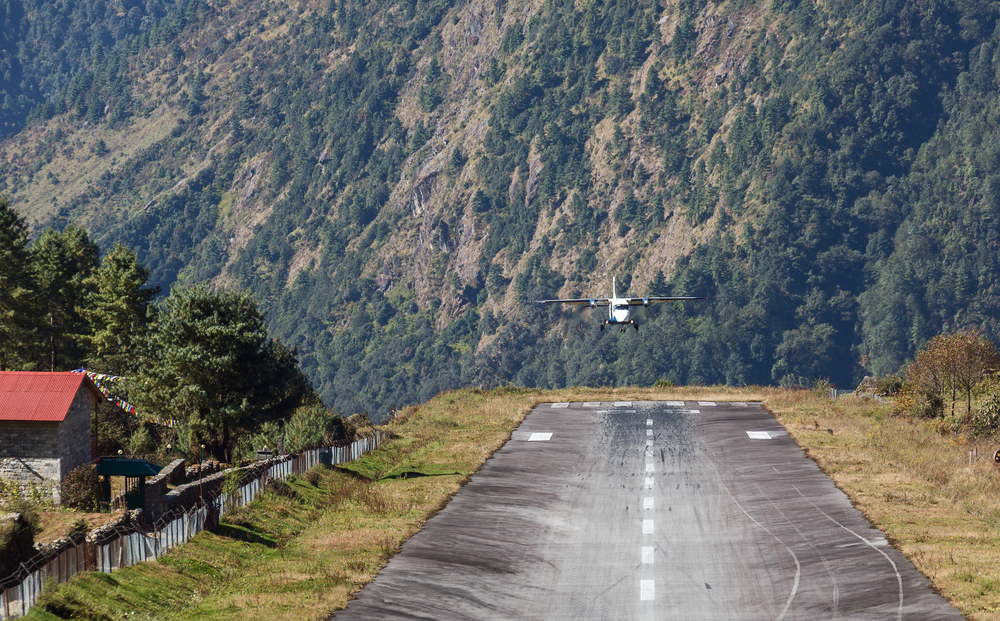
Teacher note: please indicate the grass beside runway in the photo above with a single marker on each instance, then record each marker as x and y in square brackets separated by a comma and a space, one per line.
[303, 557]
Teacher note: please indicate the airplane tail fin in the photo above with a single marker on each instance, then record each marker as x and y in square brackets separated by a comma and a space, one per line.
[614, 287]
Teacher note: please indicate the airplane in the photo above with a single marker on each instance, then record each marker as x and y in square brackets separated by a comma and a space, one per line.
[619, 309]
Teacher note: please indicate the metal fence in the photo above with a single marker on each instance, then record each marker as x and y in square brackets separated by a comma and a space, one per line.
[129, 545]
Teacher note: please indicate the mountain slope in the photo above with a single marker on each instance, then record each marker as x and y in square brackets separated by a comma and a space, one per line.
[395, 181]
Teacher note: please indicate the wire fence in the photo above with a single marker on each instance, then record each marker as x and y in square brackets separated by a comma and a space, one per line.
[127, 545]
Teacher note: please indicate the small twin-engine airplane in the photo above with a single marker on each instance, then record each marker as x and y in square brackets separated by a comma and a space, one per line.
[618, 308]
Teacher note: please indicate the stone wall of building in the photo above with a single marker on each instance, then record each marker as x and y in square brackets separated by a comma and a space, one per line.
[74, 433]
[29, 453]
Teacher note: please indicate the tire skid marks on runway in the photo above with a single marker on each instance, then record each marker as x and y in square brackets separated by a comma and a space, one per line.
[798, 566]
[808, 541]
[899, 579]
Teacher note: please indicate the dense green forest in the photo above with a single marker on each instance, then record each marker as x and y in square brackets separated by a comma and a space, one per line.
[396, 181]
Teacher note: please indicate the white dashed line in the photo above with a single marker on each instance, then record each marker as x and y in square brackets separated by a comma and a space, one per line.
[706, 403]
[592, 404]
[646, 590]
[649, 422]
[675, 404]
[759, 435]
[540, 437]
[649, 442]
[647, 527]
[560, 405]
[647, 555]
[649, 468]
[649, 432]
[649, 483]
[647, 503]
[738, 404]
[623, 404]
[693, 411]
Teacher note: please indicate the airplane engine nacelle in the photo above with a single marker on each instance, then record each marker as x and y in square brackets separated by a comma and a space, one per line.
[593, 304]
[645, 301]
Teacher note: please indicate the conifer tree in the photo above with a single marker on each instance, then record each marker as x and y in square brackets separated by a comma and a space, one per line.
[62, 264]
[211, 363]
[117, 310]
[15, 288]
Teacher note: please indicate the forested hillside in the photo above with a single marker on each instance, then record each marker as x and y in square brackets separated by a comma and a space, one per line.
[395, 180]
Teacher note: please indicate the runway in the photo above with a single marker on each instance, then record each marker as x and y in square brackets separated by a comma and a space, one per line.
[649, 511]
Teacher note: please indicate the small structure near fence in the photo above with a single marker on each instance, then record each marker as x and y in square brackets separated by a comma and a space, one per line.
[127, 543]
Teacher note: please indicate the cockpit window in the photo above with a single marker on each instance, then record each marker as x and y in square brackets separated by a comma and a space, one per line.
[621, 307]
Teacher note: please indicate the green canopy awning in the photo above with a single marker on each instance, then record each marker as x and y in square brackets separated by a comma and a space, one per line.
[114, 467]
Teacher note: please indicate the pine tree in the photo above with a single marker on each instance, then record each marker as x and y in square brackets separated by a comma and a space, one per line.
[211, 363]
[116, 309]
[15, 288]
[62, 264]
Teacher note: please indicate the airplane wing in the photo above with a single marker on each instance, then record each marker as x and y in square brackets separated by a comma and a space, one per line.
[657, 299]
[591, 302]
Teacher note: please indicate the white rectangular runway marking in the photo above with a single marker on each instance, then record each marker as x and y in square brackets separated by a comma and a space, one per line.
[706, 403]
[738, 404]
[540, 437]
[647, 503]
[647, 554]
[649, 452]
[647, 527]
[759, 435]
[649, 467]
[649, 483]
[646, 590]
[676, 404]
[623, 404]
[693, 411]
[592, 404]
[560, 405]
[649, 432]
[649, 422]
[649, 442]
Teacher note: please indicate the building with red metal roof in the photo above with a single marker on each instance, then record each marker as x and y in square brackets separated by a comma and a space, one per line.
[45, 426]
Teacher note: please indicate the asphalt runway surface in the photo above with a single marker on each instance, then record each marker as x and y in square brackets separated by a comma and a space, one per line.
[649, 511]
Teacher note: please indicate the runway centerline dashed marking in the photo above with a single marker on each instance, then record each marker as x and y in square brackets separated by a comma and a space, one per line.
[706, 403]
[649, 422]
[540, 437]
[623, 404]
[649, 468]
[649, 483]
[676, 404]
[759, 435]
[647, 590]
[560, 405]
[647, 555]
[647, 503]
[647, 527]
[592, 404]
[649, 442]
[649, 432]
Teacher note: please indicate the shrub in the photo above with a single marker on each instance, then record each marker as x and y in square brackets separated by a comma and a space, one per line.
[663, 383]
[986, 421]
[17, 536]
[81, 489]
[313, 477]
[280, 488]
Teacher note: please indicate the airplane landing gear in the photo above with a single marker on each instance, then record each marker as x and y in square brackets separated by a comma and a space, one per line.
[636, 326]
[602, 326]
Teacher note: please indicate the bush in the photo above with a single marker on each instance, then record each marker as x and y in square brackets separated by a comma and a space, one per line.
[663, 383]
[986, 421]
[280, 488]
[81, 489]
[313, 477]
[17, 536]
